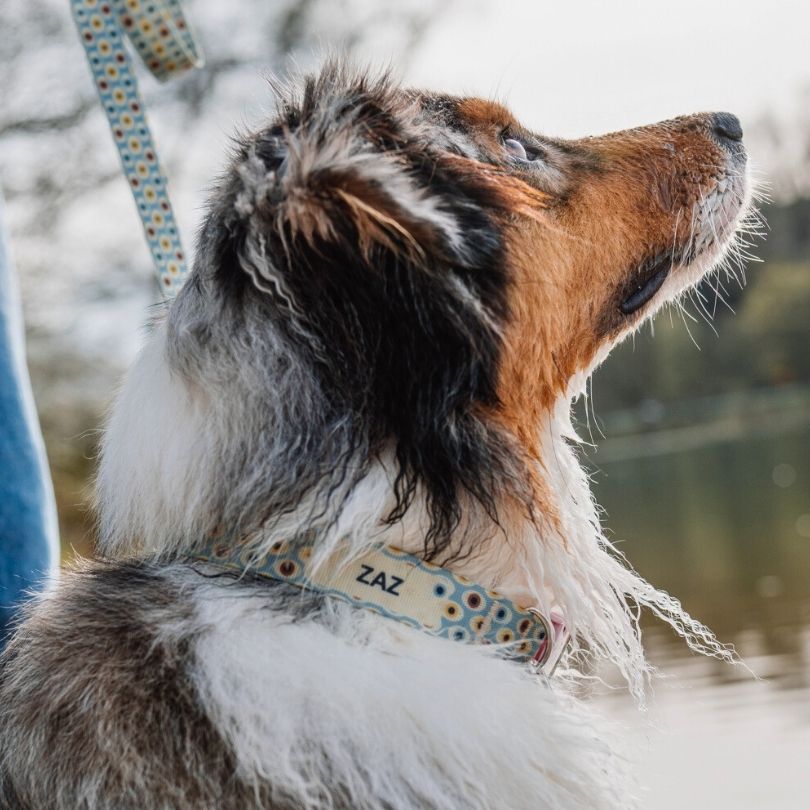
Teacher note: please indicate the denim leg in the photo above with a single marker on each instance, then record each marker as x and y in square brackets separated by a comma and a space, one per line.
[29, 542]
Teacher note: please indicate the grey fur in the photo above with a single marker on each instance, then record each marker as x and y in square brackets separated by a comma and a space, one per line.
[300, 397]
[98, 707]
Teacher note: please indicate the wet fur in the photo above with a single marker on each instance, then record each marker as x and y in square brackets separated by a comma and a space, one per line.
[379, 343]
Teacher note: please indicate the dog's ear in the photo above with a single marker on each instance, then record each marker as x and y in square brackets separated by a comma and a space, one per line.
[355, 166]
[381, 253]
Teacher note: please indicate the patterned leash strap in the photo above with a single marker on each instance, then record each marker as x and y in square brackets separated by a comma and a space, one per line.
[160, 34]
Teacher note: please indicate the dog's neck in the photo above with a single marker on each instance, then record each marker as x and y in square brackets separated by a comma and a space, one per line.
[171, 458]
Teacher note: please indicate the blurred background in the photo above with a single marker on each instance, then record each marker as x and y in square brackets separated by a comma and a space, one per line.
[701, 436]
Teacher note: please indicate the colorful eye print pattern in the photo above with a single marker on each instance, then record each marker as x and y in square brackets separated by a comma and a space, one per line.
[401, 587]
[160, 34]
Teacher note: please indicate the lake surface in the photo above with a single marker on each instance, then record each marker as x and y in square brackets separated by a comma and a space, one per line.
[725, 526]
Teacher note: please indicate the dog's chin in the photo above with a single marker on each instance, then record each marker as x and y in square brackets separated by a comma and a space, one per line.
[715, 223]
[716, 220]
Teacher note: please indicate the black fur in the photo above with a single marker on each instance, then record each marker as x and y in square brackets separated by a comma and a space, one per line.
[401, 357]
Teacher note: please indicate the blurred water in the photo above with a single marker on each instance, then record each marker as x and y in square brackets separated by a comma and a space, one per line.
[726, 527]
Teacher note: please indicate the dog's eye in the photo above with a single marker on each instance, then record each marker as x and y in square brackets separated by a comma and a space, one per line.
[521, 151]
[515, 148]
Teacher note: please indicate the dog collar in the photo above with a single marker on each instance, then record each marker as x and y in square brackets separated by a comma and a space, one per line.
[402, 587]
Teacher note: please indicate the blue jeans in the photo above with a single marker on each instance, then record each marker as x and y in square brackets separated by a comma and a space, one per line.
[29, 542]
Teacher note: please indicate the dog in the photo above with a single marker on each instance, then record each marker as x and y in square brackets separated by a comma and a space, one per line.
[395, 298]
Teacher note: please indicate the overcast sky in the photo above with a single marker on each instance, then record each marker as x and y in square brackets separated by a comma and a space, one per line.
[577, 67]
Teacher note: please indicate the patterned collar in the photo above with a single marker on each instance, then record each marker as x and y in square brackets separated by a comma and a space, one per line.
[417, 593]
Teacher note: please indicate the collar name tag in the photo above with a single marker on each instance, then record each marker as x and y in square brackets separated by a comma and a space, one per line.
[402, 587]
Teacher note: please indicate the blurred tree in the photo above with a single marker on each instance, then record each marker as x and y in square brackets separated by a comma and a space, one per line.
[68, 207]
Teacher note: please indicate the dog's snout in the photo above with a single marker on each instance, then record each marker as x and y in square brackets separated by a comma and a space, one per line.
[727, 127]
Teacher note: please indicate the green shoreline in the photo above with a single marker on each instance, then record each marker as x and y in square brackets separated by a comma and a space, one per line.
[691, 423]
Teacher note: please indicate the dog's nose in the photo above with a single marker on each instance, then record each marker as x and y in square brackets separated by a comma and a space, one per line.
[727, 127]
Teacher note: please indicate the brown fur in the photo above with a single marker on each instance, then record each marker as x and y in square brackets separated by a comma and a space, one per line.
[571, 260]
[572, 251]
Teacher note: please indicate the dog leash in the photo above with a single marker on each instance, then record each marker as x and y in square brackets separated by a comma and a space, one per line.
[409, 590]
[160, 34]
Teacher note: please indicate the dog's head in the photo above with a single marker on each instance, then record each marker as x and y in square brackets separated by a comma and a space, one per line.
[408, 282]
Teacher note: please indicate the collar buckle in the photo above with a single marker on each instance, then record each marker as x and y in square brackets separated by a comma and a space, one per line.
[551, 650]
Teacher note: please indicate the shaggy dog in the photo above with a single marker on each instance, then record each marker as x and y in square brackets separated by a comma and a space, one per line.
[396, 295]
